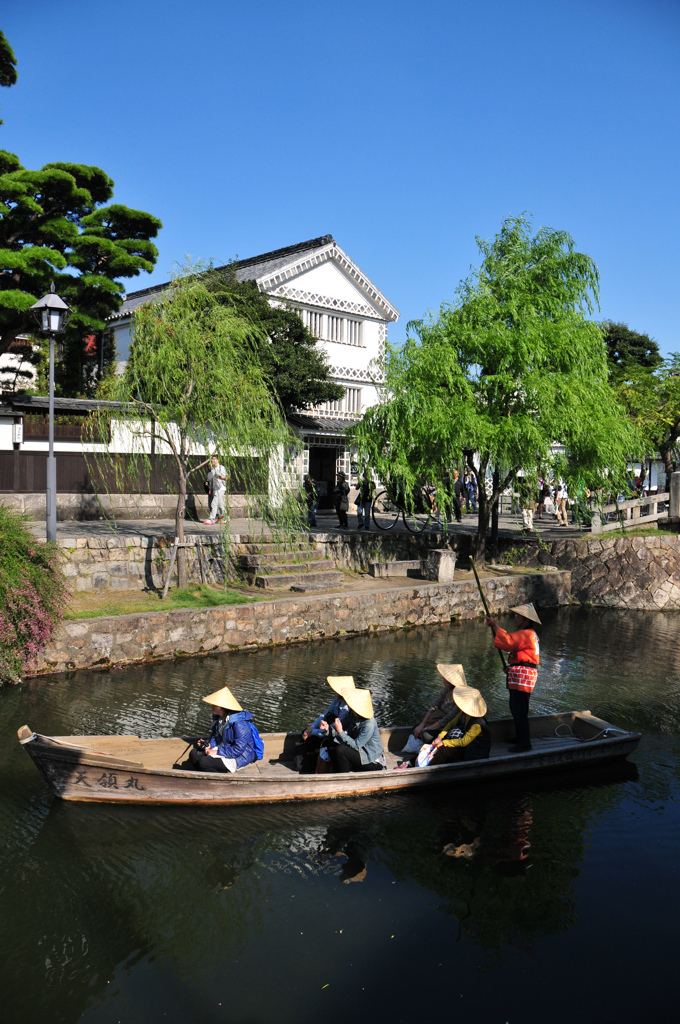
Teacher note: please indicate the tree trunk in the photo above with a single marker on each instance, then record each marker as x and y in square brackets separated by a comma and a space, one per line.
[495, 498]
[179, 528]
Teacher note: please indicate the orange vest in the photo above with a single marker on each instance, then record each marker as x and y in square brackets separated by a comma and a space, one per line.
[525, 654]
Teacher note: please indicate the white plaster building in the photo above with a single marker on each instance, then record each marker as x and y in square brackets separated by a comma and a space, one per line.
[348, 315]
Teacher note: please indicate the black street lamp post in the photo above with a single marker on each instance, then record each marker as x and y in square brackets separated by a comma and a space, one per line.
[52, 315]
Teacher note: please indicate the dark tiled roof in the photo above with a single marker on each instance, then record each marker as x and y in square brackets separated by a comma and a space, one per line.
[319, 424]
[246, 270]
[26, 403]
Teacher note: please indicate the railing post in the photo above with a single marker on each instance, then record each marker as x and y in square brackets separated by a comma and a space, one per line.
[674, 503]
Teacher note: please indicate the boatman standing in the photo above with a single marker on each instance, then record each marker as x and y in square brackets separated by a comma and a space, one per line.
[524, 652]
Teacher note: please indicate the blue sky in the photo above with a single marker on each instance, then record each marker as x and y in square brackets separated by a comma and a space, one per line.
[403, 128]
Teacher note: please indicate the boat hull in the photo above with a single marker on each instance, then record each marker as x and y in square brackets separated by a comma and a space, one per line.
[82, 774]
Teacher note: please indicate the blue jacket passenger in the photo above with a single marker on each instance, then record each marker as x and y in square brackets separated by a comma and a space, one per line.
[233, 737]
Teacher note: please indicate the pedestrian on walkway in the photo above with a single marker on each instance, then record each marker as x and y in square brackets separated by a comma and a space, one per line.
[341, 499]
[363, 501]
[217, 481]
[312, 499]
[527, 500]
[561, 503]
[457, 496]
[470, 482]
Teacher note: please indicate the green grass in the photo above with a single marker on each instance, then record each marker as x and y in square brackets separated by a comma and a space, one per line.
[93, 606]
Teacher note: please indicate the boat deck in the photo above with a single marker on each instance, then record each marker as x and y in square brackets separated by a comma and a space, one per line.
[162, 754]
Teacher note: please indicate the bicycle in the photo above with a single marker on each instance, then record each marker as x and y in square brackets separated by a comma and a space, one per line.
[386, 511]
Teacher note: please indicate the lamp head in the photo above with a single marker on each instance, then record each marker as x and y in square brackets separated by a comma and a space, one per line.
[51, 312]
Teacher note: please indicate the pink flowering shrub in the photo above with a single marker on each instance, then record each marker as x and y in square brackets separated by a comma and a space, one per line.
[33, 594]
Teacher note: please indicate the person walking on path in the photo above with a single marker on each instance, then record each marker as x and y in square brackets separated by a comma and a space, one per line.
[543, 493]
[341, 500]
[527, 501]
[312, 499]
[363, 501]
[217, 480]
[458, 491]
[470, 482]
[525, 655]
[561, 503]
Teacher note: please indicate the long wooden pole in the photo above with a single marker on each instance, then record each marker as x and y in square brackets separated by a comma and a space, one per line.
[486, 607]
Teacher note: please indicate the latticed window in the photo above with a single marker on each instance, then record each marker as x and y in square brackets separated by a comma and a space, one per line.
[352, 400]
[313, 322]
[334, 328]
[349, 404]
[353, 332]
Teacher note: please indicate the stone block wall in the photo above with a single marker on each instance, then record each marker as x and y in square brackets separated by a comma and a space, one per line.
[132, 562]
[615, 571]
[98, 643]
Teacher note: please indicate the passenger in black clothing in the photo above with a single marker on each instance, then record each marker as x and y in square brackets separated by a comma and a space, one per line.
[341, 500]
[458, 495]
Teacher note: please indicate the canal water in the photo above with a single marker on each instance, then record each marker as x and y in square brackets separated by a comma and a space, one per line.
[547, 900]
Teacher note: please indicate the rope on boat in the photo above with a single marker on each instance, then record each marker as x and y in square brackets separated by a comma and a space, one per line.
[603, 733]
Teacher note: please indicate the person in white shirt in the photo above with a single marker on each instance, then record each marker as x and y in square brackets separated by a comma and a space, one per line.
[561, 503]
[217, 479]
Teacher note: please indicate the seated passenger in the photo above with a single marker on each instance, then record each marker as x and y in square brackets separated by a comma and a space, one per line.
[444, 707]
[356, 747]
[467, 736]
[230, 743]
[307, 751]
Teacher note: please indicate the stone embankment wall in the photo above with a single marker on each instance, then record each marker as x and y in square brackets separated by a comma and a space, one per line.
[132, 562]
[614, 571]
[98, 643]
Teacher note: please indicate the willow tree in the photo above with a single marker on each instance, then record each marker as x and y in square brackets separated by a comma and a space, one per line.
[193, 388]
[501, 376]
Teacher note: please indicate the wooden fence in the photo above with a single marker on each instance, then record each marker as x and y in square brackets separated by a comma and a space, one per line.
[631, 514]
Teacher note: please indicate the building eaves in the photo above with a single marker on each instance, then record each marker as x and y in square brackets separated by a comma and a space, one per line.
[245, 270]
[319, 424]
[38, 403]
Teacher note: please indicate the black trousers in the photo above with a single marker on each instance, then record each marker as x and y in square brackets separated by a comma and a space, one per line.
[342, 517]
[457, 508]
[347, 759]
[205, 763]
[519, 709]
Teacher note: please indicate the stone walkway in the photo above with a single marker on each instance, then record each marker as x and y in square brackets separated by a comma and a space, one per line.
[508, 525]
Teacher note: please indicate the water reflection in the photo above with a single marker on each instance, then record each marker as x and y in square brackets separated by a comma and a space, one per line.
[130, 913]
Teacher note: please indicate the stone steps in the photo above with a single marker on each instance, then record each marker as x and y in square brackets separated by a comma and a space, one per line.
[249, 545]
[287, 568]
[330, 578]
[249, 561]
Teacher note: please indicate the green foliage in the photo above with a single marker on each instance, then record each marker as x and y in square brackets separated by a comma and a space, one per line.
[290, 358]
[193, 386]
[55, 226]
[629, 350]
[510, 369]
[33, 593]
[652, 399]
[8, 64]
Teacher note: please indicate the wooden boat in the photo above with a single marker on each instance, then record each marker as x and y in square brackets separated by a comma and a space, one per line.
[127, 769]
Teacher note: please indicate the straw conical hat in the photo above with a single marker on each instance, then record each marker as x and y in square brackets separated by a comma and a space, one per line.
[223, 698]
[360, 701]
[528, 611]
[470, 701]
[341, 684]
[453, 674]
